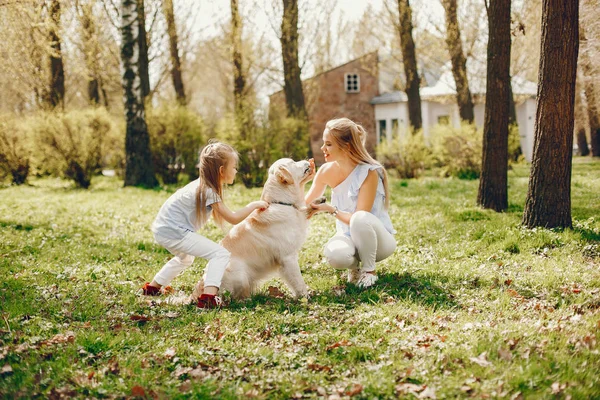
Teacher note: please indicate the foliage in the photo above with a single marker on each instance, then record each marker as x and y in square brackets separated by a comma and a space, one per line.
[470, 305]
[515, 153]
[262, 143]
[457, 150]
[15, 150]
[408, 155]
[176, 136]
[77, 144]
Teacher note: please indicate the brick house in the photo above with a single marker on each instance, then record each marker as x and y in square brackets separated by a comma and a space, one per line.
[344, 91]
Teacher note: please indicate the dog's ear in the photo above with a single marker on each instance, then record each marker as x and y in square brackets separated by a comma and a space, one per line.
[284, 175]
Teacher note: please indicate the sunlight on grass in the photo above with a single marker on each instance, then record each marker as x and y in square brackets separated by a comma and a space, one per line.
[470, 305]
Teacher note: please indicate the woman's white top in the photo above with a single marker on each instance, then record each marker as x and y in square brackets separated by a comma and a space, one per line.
[345, 197]
[177, 216]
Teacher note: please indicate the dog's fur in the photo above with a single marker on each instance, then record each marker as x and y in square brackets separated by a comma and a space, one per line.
[266, 243]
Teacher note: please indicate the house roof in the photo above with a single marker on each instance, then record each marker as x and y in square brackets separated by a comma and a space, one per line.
[445, 86]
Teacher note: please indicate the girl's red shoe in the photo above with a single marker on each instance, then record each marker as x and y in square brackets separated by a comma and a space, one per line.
[209, 301]
[148, 290]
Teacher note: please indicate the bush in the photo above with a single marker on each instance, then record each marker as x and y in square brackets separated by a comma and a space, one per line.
[176, 136]
[515, 154]
[15, 151]
[458, 150]
[262, 143]
[409, 156]
[78, 143]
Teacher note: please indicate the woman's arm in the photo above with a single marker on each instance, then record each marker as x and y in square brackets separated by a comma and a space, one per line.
[317, 188]
[366, 198]
[235, 217]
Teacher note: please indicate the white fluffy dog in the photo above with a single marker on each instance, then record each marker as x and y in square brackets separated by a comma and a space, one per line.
[266, 244]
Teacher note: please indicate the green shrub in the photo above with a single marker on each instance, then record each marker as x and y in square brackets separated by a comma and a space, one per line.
[262, 142]
[515, 154]
[76, 144]
[176, 136]
[408, 155]
[15, 151]
[457, 151]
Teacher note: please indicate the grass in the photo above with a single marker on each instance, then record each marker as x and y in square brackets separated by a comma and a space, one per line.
[470, 305]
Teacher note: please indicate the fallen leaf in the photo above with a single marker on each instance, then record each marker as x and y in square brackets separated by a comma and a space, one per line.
[170, 352]
[504, 354]
[6, 369]
[341, 343]
[354, 390]
[138, 391]
[428, 393]
[481, 360]
[274, 291]
[139, 318]
[317, 367]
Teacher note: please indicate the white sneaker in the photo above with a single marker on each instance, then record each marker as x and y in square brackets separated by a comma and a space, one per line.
[353, 276]
[366, 279]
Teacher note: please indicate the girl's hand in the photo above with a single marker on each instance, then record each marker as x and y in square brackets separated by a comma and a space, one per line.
[311, 163]
[259, 205]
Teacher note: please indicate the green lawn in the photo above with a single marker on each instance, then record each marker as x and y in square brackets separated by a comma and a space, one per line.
[470, 305]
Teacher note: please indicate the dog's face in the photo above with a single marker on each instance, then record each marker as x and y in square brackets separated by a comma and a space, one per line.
[289, 172]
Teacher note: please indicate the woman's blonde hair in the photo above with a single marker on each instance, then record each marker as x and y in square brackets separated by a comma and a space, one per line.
[351, 138]
[213, 156]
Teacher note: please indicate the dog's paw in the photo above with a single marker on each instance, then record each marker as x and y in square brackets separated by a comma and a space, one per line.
[319, 200]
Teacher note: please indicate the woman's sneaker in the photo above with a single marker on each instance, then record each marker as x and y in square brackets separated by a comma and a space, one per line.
[353, 276]
[209, 301]
[366, 279]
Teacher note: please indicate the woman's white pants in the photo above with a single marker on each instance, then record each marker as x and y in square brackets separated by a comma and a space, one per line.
[185, 250]
[368, 243]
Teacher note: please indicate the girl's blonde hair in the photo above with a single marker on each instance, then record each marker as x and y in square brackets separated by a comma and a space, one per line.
[214, 156]
[351, 138]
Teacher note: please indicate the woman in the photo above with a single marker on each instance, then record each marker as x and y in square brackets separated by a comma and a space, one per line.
[359, 202]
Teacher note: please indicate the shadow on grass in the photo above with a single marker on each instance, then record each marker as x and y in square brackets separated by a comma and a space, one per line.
[388, 289]
[588, 235]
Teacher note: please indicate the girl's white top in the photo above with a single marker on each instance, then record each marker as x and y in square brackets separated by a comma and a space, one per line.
[178, 215]
[345, 197]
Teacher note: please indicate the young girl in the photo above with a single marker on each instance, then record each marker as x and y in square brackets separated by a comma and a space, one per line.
[359, 202]
[186, 211]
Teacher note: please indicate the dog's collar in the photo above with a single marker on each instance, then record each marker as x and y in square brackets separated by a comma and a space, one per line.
[284, 204]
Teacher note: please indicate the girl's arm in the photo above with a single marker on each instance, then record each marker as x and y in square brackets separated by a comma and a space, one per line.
[366, 198]
[235, 217]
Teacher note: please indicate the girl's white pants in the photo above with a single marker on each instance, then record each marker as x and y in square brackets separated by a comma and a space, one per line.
[185, 250]
[369, 242]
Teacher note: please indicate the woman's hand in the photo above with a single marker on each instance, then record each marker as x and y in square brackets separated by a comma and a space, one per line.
[317, 208]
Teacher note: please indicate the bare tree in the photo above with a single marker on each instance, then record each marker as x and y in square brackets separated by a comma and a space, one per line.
[459, 62]
[56, 92]
[409, 59]
[493, 192]
[139, 170]
[548, 202]
[590, 87]
[294, 94]
[142, 38]
[176, 74]
[239, 78]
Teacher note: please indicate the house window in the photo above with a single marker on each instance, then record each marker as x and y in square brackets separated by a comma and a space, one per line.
[352, 83]
[444, 120]
[382, 130]
[395, 129]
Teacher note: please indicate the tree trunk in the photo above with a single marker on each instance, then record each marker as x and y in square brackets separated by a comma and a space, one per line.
[591, 94]
[139, 170]
[548, 202]
[580, 119]
[493, 192]
[512, 109]
[56, 95]
[90, 50]
[239, 80]
[459, 63]
[176, 75]
[409, 59]
[143, 50]
[294, 95]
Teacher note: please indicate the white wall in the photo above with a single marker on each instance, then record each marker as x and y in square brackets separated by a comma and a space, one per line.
[388, 112]
[526, 120]
[432, 110]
